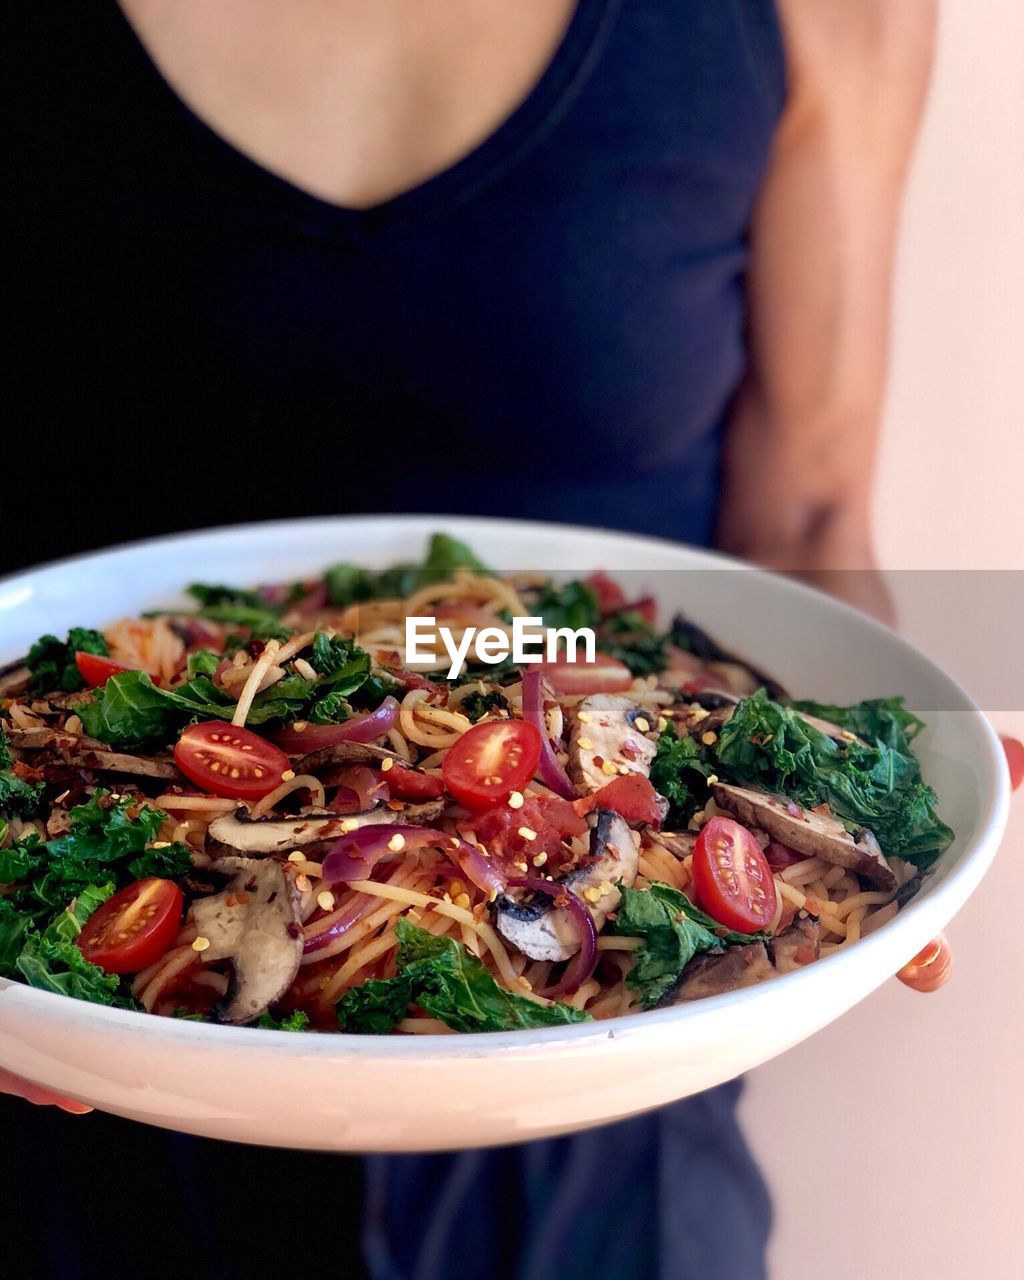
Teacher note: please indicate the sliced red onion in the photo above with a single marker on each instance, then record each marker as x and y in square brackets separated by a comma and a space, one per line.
[359, 788]
[321, 932]
[551, 772]
[359, 729]
[354, 856]
[584, 962]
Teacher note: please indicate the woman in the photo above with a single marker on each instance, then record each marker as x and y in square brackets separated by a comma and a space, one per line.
[624, 262]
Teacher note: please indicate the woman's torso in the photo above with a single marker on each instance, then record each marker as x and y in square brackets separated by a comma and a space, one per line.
[551, 326]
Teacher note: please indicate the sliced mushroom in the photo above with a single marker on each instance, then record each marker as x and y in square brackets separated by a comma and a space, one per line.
[345, 753]
[311, 831]
[255, 924]
[544, 931]
[716, 972]
[607, 737]
[15, 678]
[87, 753]
[679, 843]
[812, 834]
[796, 946]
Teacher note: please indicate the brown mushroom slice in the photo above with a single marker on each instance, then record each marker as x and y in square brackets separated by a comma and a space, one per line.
[346, 753]
[254, 922]
[311, 831]
[812, 834]
[680, 844]
[15, 678]
[716, 972]
[88, 753]
[797, 946]
[607, 737]
[544, 931]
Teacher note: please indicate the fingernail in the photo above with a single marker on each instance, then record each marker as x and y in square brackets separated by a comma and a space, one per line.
[74, 1108]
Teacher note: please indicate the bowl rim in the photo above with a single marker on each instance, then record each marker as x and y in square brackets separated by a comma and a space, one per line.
[972, 861]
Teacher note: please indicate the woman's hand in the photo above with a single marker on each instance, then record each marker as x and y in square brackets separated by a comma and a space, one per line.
[39, 1097]
[932, 967]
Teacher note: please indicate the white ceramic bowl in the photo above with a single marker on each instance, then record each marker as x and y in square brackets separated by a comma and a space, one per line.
[339, 1092]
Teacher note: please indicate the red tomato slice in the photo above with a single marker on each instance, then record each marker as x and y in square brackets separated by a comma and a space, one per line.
[1015, 760]
[610, 596]
[134, 928]
[547, 820]
[96, 670]
[731, 877]
[229, 762]
[490, 761]
[573, 679]
[631, 796]
[407, 784]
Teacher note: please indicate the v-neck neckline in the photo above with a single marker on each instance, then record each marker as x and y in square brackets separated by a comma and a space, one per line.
[566, 71]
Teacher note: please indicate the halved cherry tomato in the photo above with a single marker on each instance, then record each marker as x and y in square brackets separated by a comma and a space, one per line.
[631, 796]
[547, 821]
[490, 761]
[134, 928]
[96, 670]
[731, 878]
[610, 596]
[408, 784]
[1015, 760]
[228, 761]
[573, 679]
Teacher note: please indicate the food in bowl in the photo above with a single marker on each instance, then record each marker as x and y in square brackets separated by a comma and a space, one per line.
[259, 811]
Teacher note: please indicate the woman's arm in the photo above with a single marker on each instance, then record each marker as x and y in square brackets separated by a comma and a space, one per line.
[800, 449]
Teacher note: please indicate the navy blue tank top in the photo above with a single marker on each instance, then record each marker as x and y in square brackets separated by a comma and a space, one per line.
[553, 327]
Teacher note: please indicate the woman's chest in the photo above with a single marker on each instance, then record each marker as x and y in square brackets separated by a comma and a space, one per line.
[350, 101]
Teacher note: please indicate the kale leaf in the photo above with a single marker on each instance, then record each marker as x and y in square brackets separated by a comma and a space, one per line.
[297, 1021]
[446, 982]
[476, 705]
[130, 709]
[349, 584]
[572, 605]
[679, 772]
[18, 796]
[52, 661]
[878, 785]
[673, 930]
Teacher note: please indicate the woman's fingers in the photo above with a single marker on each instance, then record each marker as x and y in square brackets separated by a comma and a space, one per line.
[1014, 760]
[931, 968]
[38, 1096]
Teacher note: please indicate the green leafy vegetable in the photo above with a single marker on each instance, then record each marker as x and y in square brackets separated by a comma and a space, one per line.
[630, 637]
[765, 744]
[476, 705]
[679, 772]
[52, 662]
[130, 709]
[18, 796]
[210, 595]
[106, 841]
[673, 930]
[572, 605]
[349, 584]
[442, 978]
[297, 1021]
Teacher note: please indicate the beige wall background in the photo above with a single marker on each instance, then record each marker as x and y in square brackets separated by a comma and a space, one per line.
[894, 1140]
